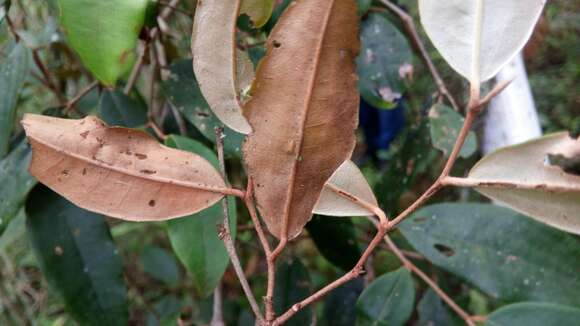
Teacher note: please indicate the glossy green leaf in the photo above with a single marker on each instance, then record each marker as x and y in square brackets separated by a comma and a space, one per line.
[16, 183]
[78, 258]
[292, 285]
[104, 33]
[505, 254]
[258, 10]
[388, 300]
[534, 314]
[340, 306]
[13, 72]
[160, 265]
[445, 125]
[383, 63]
[183, 92]
[335, 240]
[195, 238]
[118, 109]
[433, 312]
[536, 188]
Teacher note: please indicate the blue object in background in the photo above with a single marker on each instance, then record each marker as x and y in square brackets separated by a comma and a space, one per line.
[381, 126]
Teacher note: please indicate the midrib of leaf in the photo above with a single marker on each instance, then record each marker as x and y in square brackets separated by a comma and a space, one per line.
[193, 185]
[234, 64]
[308, 102]
[476, 51]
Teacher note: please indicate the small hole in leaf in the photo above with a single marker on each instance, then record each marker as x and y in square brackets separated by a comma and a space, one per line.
[443, 249]
[276, 44]
[152, 203]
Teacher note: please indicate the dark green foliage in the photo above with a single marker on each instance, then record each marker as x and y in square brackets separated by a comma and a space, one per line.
[78, 258]
[292, 285]
[336, 240]
[118, 109]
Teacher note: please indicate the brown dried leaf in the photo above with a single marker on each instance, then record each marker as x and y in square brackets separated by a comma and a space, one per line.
[119, 172]
[304, 110]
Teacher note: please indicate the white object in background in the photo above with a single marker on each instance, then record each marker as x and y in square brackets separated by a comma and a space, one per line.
[511, 116]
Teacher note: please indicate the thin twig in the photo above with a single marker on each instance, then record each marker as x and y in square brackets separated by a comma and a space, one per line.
[225, 233]
[49, 81]
[413, 268]
[70, 106]
[217, 318]
[420, 47]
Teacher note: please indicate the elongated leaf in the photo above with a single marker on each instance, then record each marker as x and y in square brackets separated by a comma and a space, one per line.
[78, 257]
[445, 125]
[507, 255]
[183, 91]
[221, 70]
[119, 172]
[543, 191]
[118, 109]
[13, 71]
[384, 62]
[336, 241]
[16, 183]
[433, 312]
[340, 305]
[346, 182]
[534, 314]
[104, 33]
[258, 10]
[292, 285]
[195, 238]
[388, 300]
[303, 134]
[479, 37]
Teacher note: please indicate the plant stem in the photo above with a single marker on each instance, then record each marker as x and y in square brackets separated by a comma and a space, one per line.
[70, 106]
[217, 318]
[420, 47]
[226, 235]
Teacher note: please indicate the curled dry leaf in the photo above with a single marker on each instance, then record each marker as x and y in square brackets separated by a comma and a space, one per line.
[304, 110]
[340, 194]
[522, 177]
[478, 37]
[222, 71]
[119, 172]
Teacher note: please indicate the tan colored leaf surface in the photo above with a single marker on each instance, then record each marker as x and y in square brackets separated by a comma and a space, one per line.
[221, 71]
[347, 181]
[304, 110]
[258, 10]
[119, 172]
[543, 191]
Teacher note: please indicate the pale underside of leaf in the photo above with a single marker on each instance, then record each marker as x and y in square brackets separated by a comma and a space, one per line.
[340, 195]
[478, 37]
[259, 11]
[521, 177]
[221, 70]
[119, 172]
[303, 110]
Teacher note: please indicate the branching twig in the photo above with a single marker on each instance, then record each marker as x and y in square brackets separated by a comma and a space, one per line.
[70, 106]
[420, 47]
[226, 235]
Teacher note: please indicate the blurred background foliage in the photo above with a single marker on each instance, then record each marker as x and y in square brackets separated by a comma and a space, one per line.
[156, 272]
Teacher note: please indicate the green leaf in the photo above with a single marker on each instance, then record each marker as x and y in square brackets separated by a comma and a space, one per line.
[388, 300]
[536, 187]
[445, 125]
[258, 10]
[4, 7]
[14, 231]
[118, 109]
[534, 314]
[78, 258]
[340, 306]
[16, 183]
[183, 92]
[433, 312]
[383, 63]
[195, 238]
[13, 72]
[167, 310]
[104, 33]
[278, 10]
[292, 285]
[160, 265]
[364, 6]
[336, 240]
[505, 254]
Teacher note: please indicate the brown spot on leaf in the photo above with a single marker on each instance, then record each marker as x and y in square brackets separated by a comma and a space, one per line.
[148, 171]
[85, 134]
[141, 156]
[152, 203]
